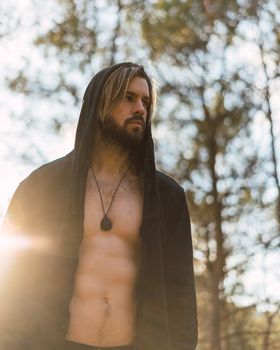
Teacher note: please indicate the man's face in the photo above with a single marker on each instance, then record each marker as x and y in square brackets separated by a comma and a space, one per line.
[127, 124]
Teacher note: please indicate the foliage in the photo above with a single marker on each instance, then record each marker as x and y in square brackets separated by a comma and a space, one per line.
[218, 64]
[193, 44]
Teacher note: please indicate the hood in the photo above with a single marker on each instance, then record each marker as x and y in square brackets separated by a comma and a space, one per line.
[88, 123]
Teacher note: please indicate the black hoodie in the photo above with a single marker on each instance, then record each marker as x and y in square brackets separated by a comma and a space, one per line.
[47, 209]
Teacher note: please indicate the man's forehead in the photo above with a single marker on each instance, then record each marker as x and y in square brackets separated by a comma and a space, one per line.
[138, 86]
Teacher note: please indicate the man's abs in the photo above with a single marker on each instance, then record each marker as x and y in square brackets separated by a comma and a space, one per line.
[103, 306]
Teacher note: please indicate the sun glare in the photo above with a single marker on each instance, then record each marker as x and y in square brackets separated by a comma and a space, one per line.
[14, 242]
[11, 245]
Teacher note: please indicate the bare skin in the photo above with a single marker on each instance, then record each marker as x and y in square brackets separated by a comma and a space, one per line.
[103, 306]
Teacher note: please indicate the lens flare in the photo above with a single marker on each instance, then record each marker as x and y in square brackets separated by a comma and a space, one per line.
[12, 243]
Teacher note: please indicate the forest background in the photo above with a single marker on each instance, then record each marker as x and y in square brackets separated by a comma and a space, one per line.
[216, 129]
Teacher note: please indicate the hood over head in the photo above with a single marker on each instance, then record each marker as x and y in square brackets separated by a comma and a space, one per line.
[88, 124]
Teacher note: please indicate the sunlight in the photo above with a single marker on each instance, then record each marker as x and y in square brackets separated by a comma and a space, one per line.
[11, 245]
[13, 242]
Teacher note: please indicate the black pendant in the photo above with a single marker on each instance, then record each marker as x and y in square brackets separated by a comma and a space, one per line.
[106, 224]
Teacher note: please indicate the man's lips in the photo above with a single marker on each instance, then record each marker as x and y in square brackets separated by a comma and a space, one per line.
[137, 121]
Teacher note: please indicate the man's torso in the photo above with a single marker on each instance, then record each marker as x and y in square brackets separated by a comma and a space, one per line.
[103, 306]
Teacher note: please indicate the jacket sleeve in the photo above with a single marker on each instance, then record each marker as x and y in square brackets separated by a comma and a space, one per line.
[14, 277]
[180, 287]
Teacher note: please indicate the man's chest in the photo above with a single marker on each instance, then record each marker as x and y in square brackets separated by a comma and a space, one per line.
[124, 207]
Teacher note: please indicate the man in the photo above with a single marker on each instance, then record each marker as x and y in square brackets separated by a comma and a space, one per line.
[110, 259]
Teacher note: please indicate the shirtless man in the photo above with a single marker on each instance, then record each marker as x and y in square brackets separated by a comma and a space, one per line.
[108, 260]
[103, 306]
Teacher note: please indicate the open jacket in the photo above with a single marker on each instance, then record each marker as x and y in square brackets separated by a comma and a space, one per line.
[48, 210]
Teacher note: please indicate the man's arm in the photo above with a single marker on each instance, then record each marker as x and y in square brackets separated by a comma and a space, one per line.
[14, 277]
[181, 297]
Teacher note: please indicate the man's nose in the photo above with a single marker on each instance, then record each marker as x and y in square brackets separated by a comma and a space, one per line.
[139, 107]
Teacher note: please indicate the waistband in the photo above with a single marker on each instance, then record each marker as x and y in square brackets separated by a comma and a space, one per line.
[70, 345]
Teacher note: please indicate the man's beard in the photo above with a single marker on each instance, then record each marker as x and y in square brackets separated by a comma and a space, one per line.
[116, 135]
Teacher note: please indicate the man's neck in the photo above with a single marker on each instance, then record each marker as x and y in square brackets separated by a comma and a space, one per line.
[109, 160]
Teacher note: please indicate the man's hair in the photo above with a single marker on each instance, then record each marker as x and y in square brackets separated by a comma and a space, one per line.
[115, 88]
[107, 89]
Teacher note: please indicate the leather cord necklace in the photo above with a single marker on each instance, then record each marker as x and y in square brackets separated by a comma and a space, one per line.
[106, 223]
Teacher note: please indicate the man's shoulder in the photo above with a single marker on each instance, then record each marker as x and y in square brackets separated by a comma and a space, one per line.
[172, 198]
[49, 174]
[40, 190]
[167, 183]
[51, 168]
[170, 192]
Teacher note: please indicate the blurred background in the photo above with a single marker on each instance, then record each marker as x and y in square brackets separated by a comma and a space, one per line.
[216, 129]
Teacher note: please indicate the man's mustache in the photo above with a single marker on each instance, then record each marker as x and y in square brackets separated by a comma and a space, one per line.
[136, 118]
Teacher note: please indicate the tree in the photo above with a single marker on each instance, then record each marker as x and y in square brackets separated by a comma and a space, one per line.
[211, 97]
[193, 44]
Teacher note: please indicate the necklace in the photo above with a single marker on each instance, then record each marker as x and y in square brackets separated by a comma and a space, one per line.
[106, 223]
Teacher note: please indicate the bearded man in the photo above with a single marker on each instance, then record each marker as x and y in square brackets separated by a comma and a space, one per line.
[109, 263]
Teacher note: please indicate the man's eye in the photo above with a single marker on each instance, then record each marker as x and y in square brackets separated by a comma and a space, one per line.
[128, 98]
